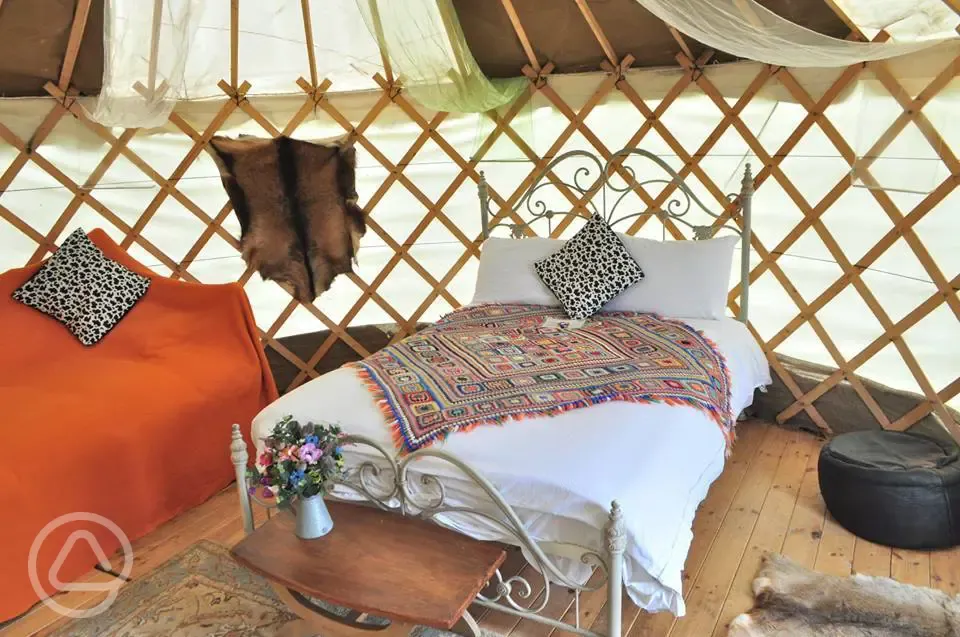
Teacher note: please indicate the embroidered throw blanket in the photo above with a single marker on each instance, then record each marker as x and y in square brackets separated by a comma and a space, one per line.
[492, 363]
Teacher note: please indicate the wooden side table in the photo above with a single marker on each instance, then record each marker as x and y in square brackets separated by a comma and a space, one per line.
[404, 569]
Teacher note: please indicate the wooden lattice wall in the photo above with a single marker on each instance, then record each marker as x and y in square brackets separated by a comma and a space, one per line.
[768, 169]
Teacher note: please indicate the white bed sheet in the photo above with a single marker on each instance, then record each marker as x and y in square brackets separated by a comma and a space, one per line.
[560, 473]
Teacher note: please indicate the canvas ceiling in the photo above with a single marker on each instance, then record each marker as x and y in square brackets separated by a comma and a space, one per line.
[34, 33]
[33, 44]
[559, 33]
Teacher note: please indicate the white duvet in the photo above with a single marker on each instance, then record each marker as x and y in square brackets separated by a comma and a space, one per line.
[560, 473]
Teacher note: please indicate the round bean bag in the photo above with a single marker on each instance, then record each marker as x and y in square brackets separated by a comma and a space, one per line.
[893, 488]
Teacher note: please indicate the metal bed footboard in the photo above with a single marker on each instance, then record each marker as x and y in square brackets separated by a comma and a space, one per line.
[388, 485]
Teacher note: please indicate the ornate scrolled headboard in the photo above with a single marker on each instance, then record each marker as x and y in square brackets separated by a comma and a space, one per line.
[612, 195]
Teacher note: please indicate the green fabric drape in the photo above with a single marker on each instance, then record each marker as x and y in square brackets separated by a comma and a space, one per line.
[429, 55]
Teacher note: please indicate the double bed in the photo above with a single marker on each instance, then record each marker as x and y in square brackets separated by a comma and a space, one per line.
[546, 483]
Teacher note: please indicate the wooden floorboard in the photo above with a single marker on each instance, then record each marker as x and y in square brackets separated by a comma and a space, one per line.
[770, 529]
[709, 518]
[806, 521]
[871, 559]
[766, 499]
[706, 598]
[911, 567]
[945, 570]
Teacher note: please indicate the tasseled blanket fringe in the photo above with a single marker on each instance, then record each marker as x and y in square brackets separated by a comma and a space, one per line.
[379, 395]
[394, 419]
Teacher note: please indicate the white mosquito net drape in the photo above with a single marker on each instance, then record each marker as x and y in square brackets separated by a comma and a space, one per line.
[181, 49]
[168, 50]
[749, 30]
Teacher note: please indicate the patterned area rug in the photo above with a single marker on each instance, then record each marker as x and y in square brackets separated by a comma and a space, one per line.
[488, 364]
[201, 592]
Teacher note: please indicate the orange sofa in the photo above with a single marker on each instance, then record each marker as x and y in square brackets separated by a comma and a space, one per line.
[134, 428]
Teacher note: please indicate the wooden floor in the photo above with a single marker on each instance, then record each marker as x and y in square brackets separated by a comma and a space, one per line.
[767, 499]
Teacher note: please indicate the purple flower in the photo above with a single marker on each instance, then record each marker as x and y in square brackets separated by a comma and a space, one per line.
[310, 453]
[267, 493]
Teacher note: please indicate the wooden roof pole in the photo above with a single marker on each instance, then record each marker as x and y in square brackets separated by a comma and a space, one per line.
[521, 33]
[449, 22]
[598, 32]
[154, 46]
[234, 43]
[683, 43]
[73, 44]
[308, 34]
[381, 42]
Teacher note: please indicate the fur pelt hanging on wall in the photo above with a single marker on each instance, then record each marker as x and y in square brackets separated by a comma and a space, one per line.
[297, 206]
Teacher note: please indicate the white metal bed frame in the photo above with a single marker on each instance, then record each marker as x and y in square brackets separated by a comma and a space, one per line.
[429, 501]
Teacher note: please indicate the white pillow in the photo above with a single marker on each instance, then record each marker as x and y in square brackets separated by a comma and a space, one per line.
[683, 279]
[506, 273]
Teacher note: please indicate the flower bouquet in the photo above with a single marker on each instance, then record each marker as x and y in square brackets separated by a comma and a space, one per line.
[298, 461]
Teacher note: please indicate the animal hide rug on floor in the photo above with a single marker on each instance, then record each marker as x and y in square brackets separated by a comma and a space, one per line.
[792, 601]
[297, 206]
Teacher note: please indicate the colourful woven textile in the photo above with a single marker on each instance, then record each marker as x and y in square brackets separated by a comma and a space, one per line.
[492, 363]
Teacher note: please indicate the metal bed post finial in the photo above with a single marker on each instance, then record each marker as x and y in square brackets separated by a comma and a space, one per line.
[615, 536]
[238, 456]
[746, 197]
[484, 205]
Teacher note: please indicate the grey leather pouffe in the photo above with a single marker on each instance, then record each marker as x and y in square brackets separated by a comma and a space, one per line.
[893, 488]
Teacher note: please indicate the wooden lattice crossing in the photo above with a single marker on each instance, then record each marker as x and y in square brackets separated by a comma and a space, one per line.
[768, 164]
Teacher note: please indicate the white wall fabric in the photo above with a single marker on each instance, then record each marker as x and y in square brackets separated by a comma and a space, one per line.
[749, 30]
[855, 221]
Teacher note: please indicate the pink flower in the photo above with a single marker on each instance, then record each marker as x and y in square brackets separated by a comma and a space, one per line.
[265, 458]
[310, 453]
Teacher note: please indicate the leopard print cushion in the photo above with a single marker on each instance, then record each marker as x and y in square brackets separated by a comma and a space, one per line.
[590, 270]
[83, 289]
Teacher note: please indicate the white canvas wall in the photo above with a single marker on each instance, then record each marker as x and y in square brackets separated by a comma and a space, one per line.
[814, 166]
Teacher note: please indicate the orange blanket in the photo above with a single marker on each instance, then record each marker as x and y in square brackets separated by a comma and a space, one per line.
[134, 428]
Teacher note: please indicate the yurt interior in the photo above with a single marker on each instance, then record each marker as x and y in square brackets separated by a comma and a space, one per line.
[482, 317]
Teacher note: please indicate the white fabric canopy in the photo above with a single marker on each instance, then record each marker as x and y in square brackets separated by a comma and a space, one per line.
[749, 30]
[169, 50]
[186, 47]
[903, 20]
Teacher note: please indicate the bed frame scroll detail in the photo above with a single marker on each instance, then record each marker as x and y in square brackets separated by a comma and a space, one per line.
[422, 494]
[612, 192]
